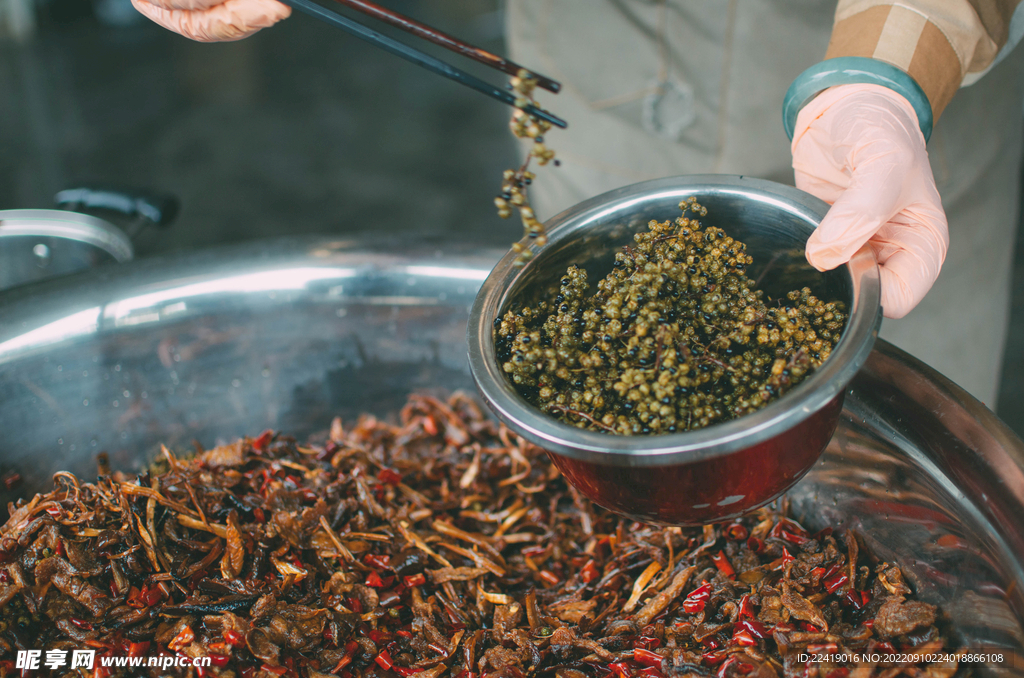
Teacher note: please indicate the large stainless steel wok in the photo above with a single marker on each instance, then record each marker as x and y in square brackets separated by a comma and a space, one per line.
[286, 335]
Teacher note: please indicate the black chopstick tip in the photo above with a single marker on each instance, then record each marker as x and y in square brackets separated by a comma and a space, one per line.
[541, 113]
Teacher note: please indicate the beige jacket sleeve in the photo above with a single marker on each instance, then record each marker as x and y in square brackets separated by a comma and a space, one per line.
[942, 44]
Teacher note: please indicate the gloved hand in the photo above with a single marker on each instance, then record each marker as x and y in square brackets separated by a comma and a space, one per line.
[214, 20]
[859, 147]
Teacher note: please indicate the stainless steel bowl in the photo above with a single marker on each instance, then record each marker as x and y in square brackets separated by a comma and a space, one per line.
[726, 469]
[39, 244]
[284, 335]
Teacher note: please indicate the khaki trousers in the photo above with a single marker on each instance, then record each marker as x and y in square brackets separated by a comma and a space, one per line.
[655, 88]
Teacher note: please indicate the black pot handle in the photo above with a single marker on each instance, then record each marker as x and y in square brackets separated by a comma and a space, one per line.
[143, 207]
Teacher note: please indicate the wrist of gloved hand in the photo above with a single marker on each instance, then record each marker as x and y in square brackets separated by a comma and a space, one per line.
[860, 148]
[214, 20]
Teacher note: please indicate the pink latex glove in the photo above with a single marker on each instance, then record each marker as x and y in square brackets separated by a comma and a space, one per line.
[214, 20]
[859, 147]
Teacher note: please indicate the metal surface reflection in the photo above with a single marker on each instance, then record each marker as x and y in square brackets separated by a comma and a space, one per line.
[929, 476]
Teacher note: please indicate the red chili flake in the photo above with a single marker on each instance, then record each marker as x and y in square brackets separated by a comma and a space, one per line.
[355, 605]
[711, 643]
[781, 562]
[549, 577]
[694, 602]
[835, 582]
[809, 628]
[621, 669]
[404, 633]
[258, 514]
[261, 441]
[736, 532]
[869, 623]
[589, 572]
[880, 646]
[342, 663]
[429, 425]
[184, 637]
[378, 636]
[234, 638]
[219, 660]
[276, 670]
[54, 511]
[746, 608]
[4, 577]
[756, 545]
[151, 596]
[380, 562]
[741, 636]
[438, 649]
[134, 649]
[646, 643]
[373, 579]
[858, 599]
[384, 660]
[389, 476]
[753, 627]
[723, 565]
[534, 551]
[82, 624]
[833, 568]
[714, 658]
[789, 531]
[646, 657]
[414, 580]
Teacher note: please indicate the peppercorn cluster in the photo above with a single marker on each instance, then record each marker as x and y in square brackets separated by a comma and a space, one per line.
[675, 337]
[524, 125]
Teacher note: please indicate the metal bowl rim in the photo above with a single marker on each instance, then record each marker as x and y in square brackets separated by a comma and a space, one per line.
[824, 385]
[73, 226]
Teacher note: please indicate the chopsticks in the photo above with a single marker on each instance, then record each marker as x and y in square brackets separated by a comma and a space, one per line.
[444, 40]
[427, 61]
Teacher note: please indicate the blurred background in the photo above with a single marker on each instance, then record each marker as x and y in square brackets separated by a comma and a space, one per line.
[300, 129]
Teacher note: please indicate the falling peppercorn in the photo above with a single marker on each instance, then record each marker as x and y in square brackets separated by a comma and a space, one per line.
[675, 337]
[525, 125]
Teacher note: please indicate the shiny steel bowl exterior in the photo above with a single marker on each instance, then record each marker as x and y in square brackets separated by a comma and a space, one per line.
[209, 345]
[726, 469]
[40, 244]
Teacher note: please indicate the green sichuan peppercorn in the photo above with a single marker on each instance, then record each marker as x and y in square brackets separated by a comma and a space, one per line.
[675, 338]
[514, 183]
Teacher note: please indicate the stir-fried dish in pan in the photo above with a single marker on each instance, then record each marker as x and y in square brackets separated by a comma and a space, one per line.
[441, 546]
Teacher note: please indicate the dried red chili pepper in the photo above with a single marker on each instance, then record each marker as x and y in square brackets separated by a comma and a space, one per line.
[723, 565]
[646, 657]
[589, 572]
[384, 660]
[414, 580]
[694, 602]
